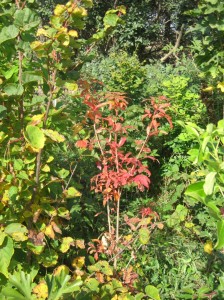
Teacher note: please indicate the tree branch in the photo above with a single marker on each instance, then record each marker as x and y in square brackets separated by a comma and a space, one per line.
[177, 44]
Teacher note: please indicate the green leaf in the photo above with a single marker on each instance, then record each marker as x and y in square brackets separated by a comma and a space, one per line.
[35, 137]
[12, 294]
[48, 258]
[8, 33]
[144, 236]
[26, 19]
[29, 76]
[220, 235]
[13, 89]
[3, 111]
[196, 191]
[6, 253]
[2, 237]
[152, 292]
[17, 231]
[92, 284]
[209, 183]
[111, 20]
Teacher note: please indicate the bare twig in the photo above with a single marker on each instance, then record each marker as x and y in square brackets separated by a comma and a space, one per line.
[177, 44]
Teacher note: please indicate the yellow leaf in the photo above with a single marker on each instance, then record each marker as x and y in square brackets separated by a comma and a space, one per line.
[50, 159]
[59, 9]
[66, 243]
[5, 197]
[54, 135]
[221, 86]
[41, 290]
[60, 269]
[42, 31]
[19, 236]
[208, 247]
[128, 237]
[46, 168]
[49, 232]
[73, 33]
[208, 89]
[78, 262]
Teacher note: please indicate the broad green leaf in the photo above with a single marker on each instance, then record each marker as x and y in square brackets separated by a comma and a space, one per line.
[71, 193]
[144, 236]
[17, 231]
[8, 33]
[35, 136]
[6, 253]
[92, 284]
[3, 111]
[152, 292]
[54, 135]
[220, 235]
[12, 294]
[29, 76]
[209, 183]
[111, 20]
[63, 173]
[26, 19]
[48, 258]
[13, 192]
[13, 89]
[2, 237]
[196, 191]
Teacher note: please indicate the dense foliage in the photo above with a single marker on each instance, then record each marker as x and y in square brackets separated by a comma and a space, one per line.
[112, 134]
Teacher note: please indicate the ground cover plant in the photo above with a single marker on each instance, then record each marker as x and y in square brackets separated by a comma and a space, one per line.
[111, 181]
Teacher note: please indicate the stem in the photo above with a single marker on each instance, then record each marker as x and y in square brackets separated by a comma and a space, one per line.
[108, 217]
[98, 140]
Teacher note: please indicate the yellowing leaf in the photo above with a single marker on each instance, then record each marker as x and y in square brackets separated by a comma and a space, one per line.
[5, 197]
[208, 89]
[35, 137]
[221, 86]
[208, 247]
[49, 232]
[66, 243]
[60, 269]
[78, 262]
[50, 159]
[71, 193]
[46, 168]
[80, 244]
[73, 33]
[17, 231]
[41, 290]
[71, 86]
[128, 237]
[79, 12]
[59, 9]
[54, 135]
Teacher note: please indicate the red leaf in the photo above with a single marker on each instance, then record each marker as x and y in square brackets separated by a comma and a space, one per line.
[82, 144]
[122, 141]
[142, 180]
